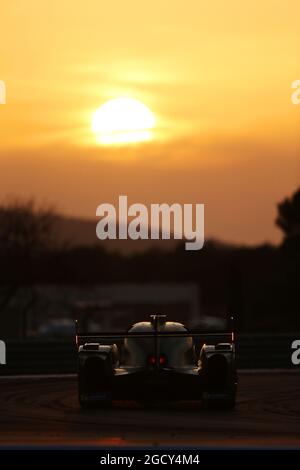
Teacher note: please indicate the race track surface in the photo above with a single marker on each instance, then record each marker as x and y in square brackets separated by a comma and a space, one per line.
[44, 411]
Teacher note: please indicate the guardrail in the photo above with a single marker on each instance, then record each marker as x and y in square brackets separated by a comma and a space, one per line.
[36, 357]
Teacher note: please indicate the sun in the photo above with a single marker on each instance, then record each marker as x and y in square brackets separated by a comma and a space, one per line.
[123, 121]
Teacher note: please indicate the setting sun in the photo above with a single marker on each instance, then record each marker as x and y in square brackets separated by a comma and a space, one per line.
[122, 121]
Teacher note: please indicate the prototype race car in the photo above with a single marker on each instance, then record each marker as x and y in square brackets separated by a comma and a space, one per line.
[157, 361]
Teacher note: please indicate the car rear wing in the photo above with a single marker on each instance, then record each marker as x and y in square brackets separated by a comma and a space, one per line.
[228, 335]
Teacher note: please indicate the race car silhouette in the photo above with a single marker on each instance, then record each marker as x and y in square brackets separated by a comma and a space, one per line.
[157, 361]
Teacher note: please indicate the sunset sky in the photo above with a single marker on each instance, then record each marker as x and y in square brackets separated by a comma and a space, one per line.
[216, 75]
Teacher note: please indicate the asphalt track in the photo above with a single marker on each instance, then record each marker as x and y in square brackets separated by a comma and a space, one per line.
[44, 411]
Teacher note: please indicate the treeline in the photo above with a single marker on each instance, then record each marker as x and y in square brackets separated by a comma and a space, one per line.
[259, 285]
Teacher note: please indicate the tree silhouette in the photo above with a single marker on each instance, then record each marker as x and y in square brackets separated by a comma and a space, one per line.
[25, 234]
[24, 228]
[288, 218]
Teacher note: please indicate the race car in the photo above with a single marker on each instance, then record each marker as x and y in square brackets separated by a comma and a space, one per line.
[157, 361]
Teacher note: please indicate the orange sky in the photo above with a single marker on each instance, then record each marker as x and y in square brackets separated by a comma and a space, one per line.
[217, 75]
